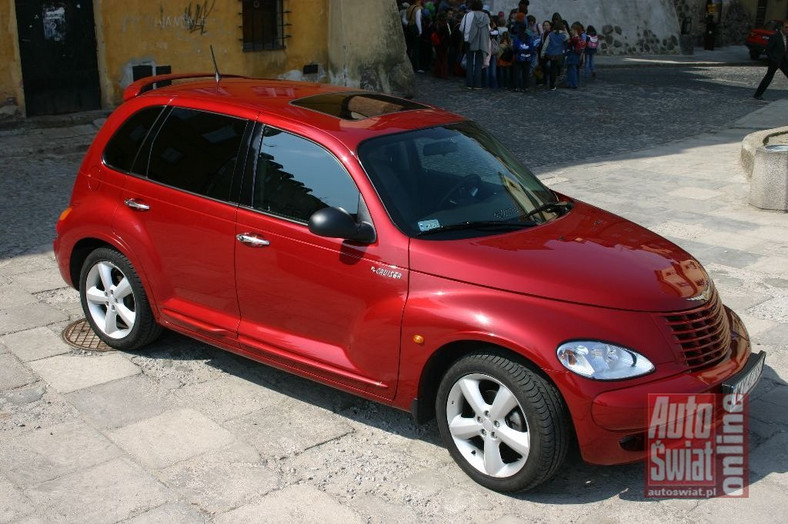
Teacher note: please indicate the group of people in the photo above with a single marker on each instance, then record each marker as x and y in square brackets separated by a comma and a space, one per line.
[495, 50]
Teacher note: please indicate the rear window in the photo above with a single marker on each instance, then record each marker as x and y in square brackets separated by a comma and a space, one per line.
[197, 151]
[125, 144]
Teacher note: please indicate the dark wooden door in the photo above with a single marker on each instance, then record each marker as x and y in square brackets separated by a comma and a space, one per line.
[57, 45]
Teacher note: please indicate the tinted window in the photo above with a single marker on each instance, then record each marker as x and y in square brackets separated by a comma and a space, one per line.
[197, 151]
[125, 143]
[296, 177]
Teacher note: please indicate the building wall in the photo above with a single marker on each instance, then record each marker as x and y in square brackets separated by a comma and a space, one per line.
[366, 47]
[180, 33]
[11, 94]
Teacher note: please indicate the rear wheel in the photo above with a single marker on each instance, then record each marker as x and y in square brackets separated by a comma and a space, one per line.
[755, 54]
[115, 302]
[504, 425]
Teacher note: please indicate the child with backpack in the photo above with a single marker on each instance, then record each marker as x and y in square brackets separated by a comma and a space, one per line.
[574, 57]
[592, 44]
[505, 60]
[523, 56]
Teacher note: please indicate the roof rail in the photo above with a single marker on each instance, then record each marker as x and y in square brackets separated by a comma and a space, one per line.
[149, 82]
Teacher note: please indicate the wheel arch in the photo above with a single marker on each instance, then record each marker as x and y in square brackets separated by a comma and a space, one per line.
[80, 252]
[423, 406]
[85, 246]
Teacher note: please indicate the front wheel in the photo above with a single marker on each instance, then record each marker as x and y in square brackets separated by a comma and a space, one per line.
[115, 302]
[504, 425]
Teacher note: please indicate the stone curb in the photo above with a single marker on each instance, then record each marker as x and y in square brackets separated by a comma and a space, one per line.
[667, 62]
[751, 143]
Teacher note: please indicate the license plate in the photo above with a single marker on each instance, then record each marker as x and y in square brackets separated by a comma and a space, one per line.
[745, 380]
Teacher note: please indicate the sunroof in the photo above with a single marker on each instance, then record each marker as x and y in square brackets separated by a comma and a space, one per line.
[356, 106]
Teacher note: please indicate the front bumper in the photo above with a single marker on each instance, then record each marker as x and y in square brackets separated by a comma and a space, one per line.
[614, 433]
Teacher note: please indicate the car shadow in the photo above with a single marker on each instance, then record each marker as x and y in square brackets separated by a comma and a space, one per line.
[576, 482]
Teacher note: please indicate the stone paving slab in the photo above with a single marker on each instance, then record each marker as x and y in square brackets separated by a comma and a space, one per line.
[67, 373]
[121, 402]
[13, 374]
[171, 437]
[108, 492]
[35, 344]
[223, 480]
[277, 435]
[171, 513]
[299, 503]
[28, 316]
[47, 453]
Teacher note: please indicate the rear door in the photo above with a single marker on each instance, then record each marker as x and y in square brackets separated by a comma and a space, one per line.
[178, 217]
[323, 307]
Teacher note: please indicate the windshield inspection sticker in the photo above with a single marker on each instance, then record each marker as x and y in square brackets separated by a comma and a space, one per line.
[426, 225]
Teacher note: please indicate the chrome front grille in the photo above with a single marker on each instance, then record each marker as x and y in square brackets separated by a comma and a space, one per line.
[703, 333]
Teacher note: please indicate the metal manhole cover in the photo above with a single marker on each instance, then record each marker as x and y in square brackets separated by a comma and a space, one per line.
[79, 335]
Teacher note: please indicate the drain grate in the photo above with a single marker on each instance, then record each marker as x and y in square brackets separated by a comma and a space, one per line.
[80, 335]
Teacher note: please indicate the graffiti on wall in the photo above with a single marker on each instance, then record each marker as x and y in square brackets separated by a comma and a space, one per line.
[196, 17]
[193, 19]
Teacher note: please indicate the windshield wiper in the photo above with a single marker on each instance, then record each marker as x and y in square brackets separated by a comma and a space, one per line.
[477, 224]
[549, 206]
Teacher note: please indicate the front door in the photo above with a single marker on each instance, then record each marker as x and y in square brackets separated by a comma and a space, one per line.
[57, 45]
[319, 306]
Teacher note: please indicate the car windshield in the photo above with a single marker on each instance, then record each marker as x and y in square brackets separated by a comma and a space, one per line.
[455, 181]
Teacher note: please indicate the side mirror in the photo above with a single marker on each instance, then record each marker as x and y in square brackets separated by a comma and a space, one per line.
[334, 222]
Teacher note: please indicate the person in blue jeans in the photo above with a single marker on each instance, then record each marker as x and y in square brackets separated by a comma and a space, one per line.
[574, 57]
[478, 44]
[592, 43]
[491, 71]
[523, 55]
[554, 47]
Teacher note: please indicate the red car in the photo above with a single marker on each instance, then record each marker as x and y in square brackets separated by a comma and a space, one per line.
[758, 38]
[396, 251]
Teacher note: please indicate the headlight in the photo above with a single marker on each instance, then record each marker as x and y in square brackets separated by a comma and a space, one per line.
[601, 361]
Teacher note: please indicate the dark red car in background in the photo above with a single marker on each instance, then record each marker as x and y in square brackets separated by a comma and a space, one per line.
[758, 38]
[396, 251]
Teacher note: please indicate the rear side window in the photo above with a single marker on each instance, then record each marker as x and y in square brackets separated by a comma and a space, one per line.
[197, 151]
[124, 145]
[296, 177]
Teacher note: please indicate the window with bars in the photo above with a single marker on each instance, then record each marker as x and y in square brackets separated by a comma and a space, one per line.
[263, 25]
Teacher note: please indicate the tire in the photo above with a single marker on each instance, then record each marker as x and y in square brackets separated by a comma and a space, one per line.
[514, 446]
[755, 54]
[115, 302]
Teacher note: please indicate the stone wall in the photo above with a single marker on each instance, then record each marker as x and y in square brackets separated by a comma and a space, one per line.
[366, 47]
[735, 23]
[642, 26]
[627, 26]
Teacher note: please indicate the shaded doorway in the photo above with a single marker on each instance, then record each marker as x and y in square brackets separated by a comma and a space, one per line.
[57, 47]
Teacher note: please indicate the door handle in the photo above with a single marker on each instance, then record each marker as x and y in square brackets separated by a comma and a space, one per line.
[252, 240]
[137, 206]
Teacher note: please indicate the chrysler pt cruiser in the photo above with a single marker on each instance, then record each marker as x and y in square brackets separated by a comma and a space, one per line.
[396, 251]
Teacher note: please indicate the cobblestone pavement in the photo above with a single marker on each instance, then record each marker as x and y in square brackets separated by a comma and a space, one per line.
[624, 109]
[183, 432]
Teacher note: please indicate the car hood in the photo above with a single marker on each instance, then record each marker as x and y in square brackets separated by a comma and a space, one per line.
[588, 256]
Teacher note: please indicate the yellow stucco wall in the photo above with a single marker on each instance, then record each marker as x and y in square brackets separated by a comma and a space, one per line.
[140, 31]
[133, 32]
[10, 69]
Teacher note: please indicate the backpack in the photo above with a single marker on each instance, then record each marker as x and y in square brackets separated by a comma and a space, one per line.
[593, 42]
[495, 47]
[508, 54]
